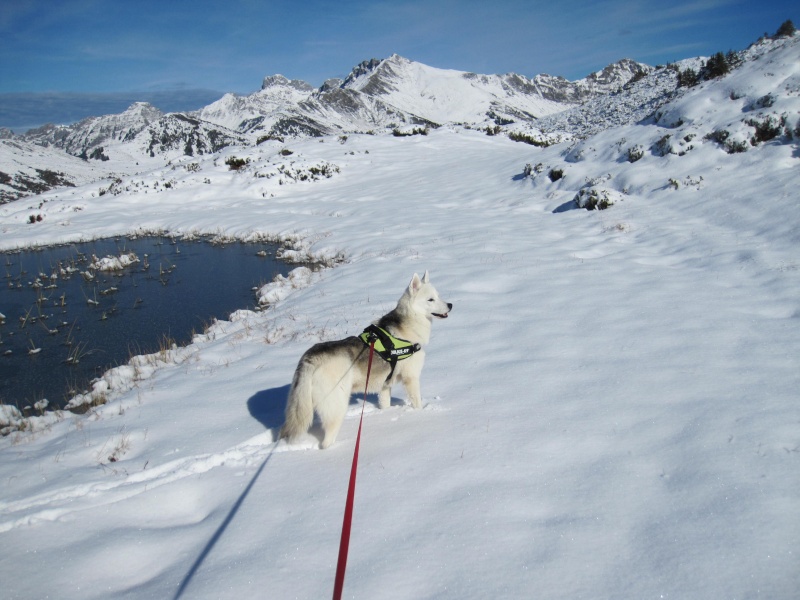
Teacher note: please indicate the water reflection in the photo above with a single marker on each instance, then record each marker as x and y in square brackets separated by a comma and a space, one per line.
[66, 320]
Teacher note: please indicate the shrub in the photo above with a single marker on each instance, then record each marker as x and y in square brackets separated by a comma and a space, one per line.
[719, 135]
[532, 171]
[764, 102]
[97, 154]
[416, 131]
[767, 129]
[527, 139]
[663, 146]
[269, 137]
[555, 174]
[735, 146]
[593, 199]
[235, 164]
[635, 153]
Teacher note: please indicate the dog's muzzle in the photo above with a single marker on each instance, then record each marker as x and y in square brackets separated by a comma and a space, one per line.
[444, 316]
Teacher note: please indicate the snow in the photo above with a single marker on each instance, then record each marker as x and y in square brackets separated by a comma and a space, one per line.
[610, 411]
[446, 95]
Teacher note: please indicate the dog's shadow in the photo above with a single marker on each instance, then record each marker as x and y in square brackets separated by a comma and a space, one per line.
[267, 408]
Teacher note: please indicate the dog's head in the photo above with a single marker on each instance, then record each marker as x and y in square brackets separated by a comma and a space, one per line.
[425, 299]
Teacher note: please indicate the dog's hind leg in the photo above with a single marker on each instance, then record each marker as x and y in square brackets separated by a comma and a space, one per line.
[331, 413]
[299, 407]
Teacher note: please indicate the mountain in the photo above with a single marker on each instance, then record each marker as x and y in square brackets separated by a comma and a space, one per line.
[95, 131]
[142, 127]
[379, 95]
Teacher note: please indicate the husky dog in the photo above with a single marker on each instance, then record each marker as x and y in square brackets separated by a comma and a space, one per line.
[329, 372]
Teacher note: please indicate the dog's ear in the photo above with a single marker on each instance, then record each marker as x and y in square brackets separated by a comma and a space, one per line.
[415, 284]
[425, 277]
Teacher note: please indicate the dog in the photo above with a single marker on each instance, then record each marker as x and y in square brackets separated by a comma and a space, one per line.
[329, 372]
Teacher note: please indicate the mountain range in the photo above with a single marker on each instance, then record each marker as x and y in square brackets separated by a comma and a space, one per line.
[393, 95]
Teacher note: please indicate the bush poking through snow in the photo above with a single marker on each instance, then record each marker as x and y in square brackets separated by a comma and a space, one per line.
[719, 135]
[528, 139]
[766, 130]
[409, 132]
[595, 198]
[236, 164]
[635, 153]
[663, 146]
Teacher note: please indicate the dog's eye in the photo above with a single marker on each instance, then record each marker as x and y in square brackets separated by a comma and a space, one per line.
[431, 300]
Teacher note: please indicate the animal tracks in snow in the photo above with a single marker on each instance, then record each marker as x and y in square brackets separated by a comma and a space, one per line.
[58, 503]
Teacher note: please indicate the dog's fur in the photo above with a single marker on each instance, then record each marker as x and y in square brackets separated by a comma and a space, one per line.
[329, 372]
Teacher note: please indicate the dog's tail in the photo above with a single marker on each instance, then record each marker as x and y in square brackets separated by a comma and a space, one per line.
[299, 405]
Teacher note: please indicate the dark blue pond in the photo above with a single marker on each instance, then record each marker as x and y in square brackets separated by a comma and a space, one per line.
[63, 328]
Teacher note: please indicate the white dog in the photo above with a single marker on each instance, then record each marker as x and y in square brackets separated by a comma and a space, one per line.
[329, 372]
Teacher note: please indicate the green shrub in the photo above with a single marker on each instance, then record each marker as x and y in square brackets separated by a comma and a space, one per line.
[767, 129]
[527, 139]
[235, 164]
[735, 146]
[719, 135]
[269, 137]
[416, 131]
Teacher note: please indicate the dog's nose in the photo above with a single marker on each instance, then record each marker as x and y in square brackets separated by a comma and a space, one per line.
[449, 306]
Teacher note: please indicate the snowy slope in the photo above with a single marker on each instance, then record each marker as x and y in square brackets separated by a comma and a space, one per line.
[242, 113]
[446, 96]
[97, 131]
[610, 410]
[26, 169]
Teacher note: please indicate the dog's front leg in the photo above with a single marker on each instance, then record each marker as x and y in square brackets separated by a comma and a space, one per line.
[385, 396]
[412, 390]
[410, 378]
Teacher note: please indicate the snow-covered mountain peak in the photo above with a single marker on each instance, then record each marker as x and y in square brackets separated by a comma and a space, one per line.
[360, 71]
[615, 75]
[273, 81]
[143, 111]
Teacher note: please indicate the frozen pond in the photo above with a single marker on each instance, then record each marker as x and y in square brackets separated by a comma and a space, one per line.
[67, 322]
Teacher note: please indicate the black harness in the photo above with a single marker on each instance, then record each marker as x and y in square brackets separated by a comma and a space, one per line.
[388, 347]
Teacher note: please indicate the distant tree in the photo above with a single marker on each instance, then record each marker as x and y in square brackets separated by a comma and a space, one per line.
[787, 29]
[717, 66]
[688, 78]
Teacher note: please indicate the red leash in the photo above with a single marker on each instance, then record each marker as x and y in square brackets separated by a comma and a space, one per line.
[344, 543]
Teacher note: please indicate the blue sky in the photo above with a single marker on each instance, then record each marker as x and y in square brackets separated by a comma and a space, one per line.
[90, 55]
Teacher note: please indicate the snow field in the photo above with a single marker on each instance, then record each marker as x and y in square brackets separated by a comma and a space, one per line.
[610, 409]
